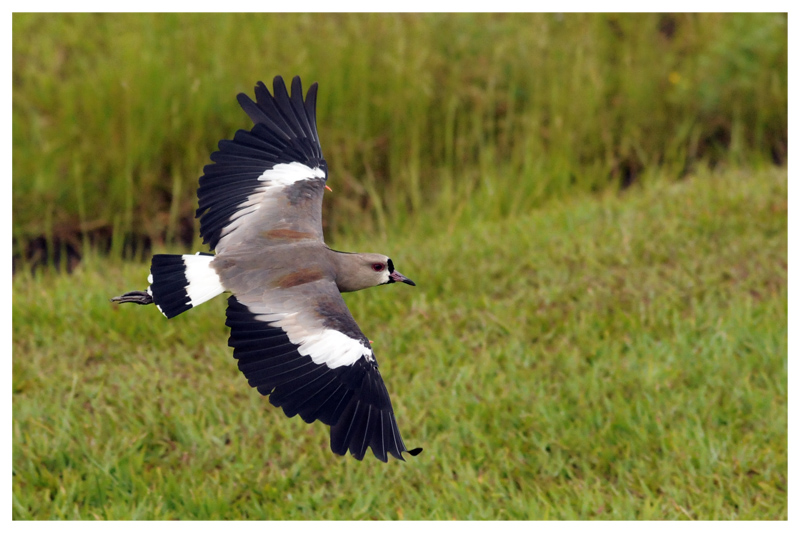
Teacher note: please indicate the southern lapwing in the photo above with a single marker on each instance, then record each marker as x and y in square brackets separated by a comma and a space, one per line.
[260, 210]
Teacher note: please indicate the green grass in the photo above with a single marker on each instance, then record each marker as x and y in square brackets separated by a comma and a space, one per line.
[114, 115]
[569, 351]
[614, 356]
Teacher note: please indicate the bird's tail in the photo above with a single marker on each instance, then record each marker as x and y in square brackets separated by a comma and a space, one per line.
[177, 283]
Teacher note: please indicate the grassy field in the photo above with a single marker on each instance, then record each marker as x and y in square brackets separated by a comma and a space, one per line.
[114, 115]
[599, 329]
[614, 356]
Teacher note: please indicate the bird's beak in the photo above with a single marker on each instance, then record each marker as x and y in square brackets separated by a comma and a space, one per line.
[397, 276]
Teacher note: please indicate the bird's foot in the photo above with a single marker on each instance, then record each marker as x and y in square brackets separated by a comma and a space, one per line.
[136, 297]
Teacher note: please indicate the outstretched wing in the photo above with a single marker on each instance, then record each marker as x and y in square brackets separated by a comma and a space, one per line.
[316, 363]
[267, 182]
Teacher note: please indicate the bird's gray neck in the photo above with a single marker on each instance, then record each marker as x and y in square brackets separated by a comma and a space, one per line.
[347, 272]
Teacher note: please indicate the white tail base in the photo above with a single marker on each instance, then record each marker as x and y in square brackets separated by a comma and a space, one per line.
[203, 280]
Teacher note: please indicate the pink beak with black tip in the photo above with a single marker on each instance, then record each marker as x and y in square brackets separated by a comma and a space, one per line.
[396, 276]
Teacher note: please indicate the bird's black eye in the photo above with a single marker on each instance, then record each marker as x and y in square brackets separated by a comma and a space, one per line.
[377, 267]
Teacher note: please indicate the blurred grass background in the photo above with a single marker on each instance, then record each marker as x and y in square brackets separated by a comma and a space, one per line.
[116, 114]
[594, 207]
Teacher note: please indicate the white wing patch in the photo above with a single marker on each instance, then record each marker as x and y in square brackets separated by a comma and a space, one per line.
[278, 177]
[333, 348]
[284, 174]
[324, 346]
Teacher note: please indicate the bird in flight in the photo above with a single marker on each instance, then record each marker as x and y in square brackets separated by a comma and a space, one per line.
[260, 211]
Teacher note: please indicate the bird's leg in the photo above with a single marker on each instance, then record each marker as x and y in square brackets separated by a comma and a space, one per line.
[136, 297]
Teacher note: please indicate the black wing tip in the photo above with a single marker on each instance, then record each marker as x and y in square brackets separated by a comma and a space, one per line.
[385, 458]
[413, 453]
[279, 85]
[297, 89]
[244, 99]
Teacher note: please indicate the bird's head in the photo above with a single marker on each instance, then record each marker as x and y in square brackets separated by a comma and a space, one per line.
[369, 270]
